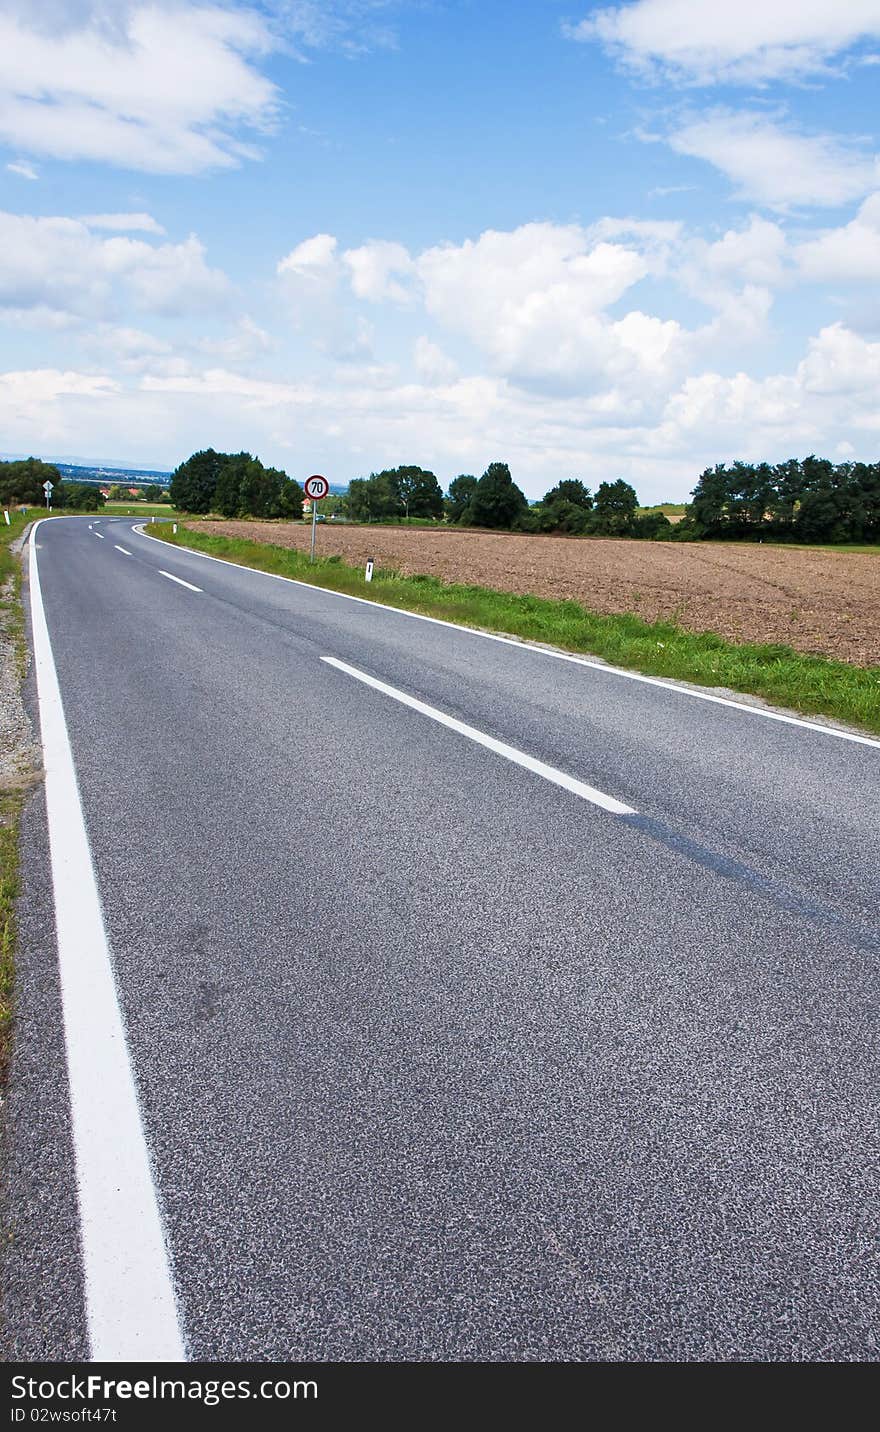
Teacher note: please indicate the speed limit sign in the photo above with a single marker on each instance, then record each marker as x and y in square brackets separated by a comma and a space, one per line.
[316, 487]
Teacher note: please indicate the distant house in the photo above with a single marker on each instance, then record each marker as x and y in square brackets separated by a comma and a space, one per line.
[105, 492]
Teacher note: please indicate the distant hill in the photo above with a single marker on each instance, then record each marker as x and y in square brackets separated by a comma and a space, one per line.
[124, 476]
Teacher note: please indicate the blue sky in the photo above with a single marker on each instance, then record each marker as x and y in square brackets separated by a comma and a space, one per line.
[591, 240]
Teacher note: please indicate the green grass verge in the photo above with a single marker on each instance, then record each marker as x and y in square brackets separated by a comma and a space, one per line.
[12, 618]
[135, 509]
[811, 684]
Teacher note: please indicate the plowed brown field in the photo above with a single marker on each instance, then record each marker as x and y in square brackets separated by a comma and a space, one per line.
[815, 601]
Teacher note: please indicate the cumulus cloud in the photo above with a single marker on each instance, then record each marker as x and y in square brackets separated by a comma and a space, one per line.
[313, 260]
[660, 442]
[850, 254]
[754, 254]
[775, 164]
[533, 300]
[562, 363]
[753, 41]
[166, 88]
[310, 277]
[431, 363]
[376, 270]
[59, 265]
[830, 394]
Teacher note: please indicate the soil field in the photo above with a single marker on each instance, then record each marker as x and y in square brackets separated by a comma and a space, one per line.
[825, 603]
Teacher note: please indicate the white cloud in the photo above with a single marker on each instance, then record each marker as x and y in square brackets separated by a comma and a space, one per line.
[830, 396]
[735, 276]
[23, 169]
[28, 398]
[247, 341]
[310, 277]
[314, 259]
[376, 268]
[755, 254]
[431, 363]
[124, 223]
[826, 400]
[775, 165]
[59, 265]
[167, 88]
[841, 363]
[752, 41]
[850, 254]
[533, 300]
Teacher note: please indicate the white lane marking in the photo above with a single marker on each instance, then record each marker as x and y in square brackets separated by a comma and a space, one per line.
[100, 534]
[130, 1300]
[510, 753]
[544, 651]
[171, 577]
[122, 549]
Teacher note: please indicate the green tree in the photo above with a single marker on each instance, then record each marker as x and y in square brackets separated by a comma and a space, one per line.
[78, 497]
[227, 498]
[461, 490]
[418, 491]
[290, 497]
[373, 498]
[194, 483]
[570, 490]
[496, 500]
[615, 507]
[21, 482]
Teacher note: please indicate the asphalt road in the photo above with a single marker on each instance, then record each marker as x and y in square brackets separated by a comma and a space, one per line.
[436, 1059]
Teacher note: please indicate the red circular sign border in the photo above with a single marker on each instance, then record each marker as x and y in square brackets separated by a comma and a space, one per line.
[316, 477]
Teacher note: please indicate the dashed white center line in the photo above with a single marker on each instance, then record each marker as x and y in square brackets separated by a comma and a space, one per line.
[510, 753]
[171, 577]
[122, 549]
[100, 536]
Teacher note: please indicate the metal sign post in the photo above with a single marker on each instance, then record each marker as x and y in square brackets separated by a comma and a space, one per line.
[47, 488]
[315, 488]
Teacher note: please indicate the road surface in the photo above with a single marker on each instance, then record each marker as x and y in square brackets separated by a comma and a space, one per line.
[471, 1003]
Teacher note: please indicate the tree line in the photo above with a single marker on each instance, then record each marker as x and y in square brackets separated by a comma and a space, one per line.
[801, 500]
[21, 485]
[804, 500]
[495, 501]
[235, 485]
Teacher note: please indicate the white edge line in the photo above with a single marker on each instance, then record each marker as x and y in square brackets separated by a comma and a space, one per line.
[130, 1300]
[122, 549]
[171, 577]
[510, 753]
[543, 651]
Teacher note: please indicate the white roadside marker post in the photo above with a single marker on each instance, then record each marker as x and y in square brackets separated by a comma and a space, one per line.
[368, 574]
[174, 527]
[6, 515]
[315, 488]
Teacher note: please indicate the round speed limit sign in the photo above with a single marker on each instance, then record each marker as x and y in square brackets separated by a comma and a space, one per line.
[316, 487]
